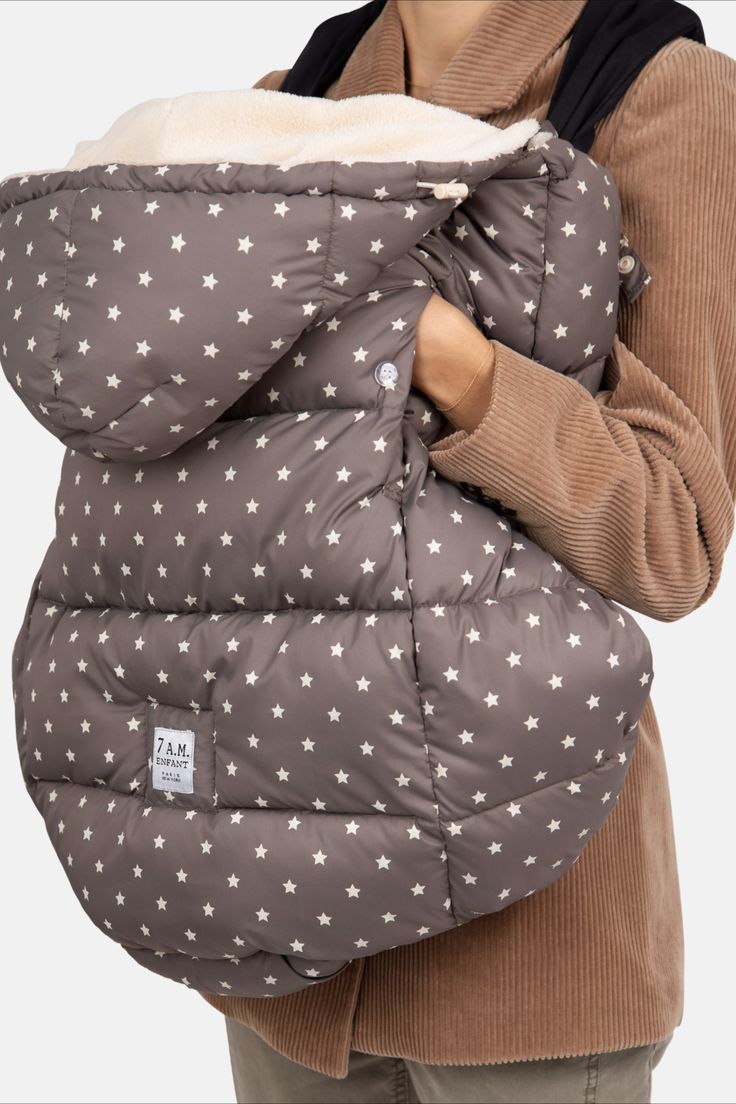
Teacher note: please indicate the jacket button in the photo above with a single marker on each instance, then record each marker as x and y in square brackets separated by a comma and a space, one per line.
[626, 264]
[386, 373]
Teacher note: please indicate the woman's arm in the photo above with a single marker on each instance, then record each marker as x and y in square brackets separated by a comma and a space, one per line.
[633, 488]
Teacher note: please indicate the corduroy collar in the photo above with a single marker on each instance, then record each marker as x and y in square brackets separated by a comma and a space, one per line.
[489, 72]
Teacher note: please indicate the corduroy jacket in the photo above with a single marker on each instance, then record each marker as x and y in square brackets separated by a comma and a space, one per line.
[634, 489]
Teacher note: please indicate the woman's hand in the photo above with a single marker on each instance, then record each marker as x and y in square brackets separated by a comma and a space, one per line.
[453, 363]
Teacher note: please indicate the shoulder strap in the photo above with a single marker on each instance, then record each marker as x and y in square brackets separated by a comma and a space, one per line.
[611, 43]
[323, 58]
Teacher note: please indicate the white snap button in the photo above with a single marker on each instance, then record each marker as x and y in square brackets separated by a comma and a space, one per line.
[626, 263]
[386, 373]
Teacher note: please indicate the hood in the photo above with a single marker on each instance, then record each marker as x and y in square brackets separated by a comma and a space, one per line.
[217, 194]
[259, 127]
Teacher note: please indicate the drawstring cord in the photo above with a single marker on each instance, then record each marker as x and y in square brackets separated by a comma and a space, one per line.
[450, 189]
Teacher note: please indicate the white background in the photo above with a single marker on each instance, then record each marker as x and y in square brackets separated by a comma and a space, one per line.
[80, 1020]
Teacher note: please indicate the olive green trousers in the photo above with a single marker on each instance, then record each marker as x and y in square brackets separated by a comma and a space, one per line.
[262, 1075]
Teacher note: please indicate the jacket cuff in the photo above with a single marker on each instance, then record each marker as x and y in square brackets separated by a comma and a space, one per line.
[510, 453]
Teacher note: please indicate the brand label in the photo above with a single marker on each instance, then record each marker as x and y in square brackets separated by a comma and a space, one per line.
[173, 760]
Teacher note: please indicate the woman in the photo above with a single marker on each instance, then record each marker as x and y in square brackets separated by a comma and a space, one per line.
[574, 993]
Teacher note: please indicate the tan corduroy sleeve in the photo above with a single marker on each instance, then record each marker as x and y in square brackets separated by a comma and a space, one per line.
[271, 80]
[633, 488]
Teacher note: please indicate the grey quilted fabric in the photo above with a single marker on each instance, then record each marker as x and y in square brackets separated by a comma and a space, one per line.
[285, 696]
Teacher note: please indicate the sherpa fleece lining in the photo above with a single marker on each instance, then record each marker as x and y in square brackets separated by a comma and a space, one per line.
[259, 126]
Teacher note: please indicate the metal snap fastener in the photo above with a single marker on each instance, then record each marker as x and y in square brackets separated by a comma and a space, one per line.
[386, 373]
[626, 263]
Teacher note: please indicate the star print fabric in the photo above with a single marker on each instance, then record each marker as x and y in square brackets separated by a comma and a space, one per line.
[400, 713]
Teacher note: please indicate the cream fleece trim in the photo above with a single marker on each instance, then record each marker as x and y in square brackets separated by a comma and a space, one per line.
[261, 126]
